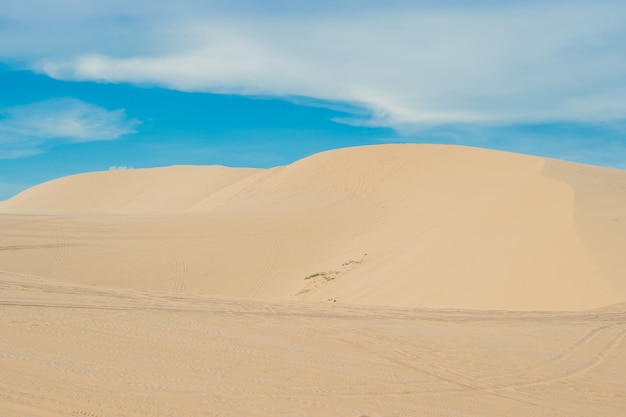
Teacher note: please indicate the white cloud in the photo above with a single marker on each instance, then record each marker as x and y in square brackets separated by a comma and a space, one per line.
[28, 130]
[412, 63]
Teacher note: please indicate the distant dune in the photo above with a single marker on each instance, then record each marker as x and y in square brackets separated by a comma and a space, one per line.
[156, 190]
[398, 225]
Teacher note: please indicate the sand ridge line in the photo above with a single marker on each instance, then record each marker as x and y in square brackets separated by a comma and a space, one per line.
[316, 310]
[33, 246]
[39, 219]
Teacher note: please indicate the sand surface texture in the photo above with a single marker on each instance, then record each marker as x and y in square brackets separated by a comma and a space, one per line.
[357, 282]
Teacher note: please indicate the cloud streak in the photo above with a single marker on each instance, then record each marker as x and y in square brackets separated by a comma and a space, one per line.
[411, 64]
[29, 130]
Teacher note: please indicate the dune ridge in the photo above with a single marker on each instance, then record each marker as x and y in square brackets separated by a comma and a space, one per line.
[129, 191]
[401, 225]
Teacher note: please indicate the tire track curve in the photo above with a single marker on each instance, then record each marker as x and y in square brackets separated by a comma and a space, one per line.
[587, 366]
[180, 279]
[61, 252]
[270, 263]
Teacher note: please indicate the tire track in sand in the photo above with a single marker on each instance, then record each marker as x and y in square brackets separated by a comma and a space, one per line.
[181, 273]
[270, 262]
[592, 334]
[554, 360]
[60, 253]
[587, 366]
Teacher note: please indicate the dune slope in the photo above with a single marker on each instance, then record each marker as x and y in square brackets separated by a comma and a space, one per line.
[154, 190]
[400, 225]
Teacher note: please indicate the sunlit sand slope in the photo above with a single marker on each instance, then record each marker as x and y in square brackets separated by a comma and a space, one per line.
[398, 225]
[154, 190]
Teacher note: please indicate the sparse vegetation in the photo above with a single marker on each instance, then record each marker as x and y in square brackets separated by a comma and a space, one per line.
[319, 279]
[328, 276]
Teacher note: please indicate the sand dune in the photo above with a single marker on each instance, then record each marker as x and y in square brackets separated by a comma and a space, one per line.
[359, 282]
[155, 190]
[398, 225]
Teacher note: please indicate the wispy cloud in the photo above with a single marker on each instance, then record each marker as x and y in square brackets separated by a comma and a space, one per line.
[29, 130]
[410, 63]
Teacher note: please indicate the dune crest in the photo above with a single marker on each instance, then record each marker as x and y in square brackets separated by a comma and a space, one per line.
[400, 225]
[129, 191]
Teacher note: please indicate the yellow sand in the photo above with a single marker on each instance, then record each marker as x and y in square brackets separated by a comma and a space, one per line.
[309, 289]
[398, 225]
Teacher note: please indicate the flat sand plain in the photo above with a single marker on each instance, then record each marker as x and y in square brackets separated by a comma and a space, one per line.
[395, 280]
[70, 350]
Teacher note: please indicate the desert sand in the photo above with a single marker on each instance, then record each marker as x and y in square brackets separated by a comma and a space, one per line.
[393, 280]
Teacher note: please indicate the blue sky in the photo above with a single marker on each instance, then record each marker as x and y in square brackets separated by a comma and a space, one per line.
[88, 85]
